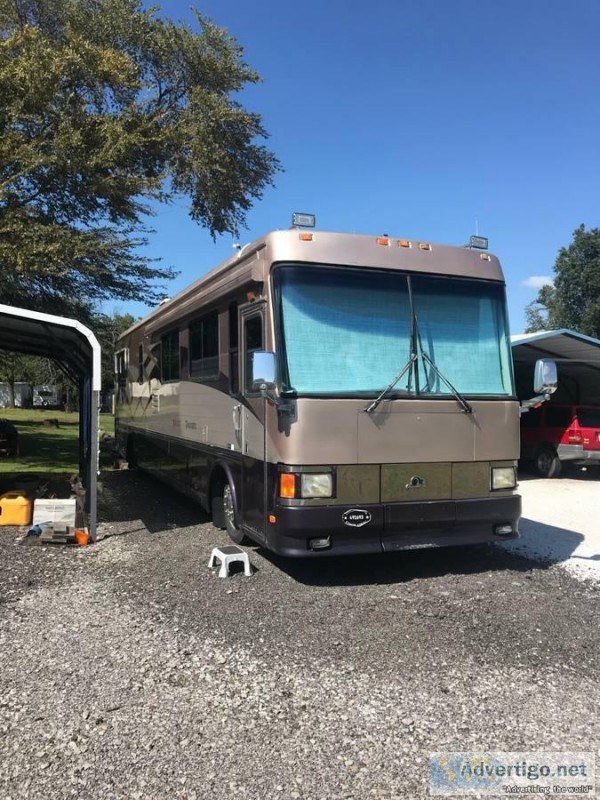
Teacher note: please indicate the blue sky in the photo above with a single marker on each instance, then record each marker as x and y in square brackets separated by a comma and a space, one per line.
[416, 118]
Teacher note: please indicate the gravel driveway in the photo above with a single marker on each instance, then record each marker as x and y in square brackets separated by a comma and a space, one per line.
[130, 670]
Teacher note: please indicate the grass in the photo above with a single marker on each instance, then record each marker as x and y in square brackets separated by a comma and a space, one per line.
[44, 447]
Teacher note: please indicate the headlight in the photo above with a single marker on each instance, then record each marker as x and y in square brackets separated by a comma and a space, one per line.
[503, 478]
[315, 484]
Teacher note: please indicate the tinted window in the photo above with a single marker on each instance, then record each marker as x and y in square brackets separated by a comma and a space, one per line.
[204, 347]
[170, 356]
[254, 341]
[589, 417]
[558, 416]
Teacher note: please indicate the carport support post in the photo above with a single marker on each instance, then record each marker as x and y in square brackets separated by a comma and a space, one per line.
[89, 428]
[94, 465]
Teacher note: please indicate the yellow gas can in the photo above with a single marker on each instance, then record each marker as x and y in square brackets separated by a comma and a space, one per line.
[15, 508]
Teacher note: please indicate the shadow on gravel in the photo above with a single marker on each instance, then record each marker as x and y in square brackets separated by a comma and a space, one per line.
[549, 543]
[128, 495]
[401, 567]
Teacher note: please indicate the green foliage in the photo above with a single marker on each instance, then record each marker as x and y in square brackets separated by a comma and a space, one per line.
[17, 367]
[105, 109]
[574, 300]
[107, 330]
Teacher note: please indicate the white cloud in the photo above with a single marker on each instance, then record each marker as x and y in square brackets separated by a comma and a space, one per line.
[537, 281]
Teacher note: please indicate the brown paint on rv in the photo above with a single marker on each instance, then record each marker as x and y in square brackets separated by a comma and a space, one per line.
[414, 472]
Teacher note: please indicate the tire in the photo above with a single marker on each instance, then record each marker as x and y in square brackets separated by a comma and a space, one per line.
[547, 463]
[235, 534]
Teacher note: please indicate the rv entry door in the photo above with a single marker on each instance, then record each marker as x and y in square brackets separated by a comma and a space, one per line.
[253, 421]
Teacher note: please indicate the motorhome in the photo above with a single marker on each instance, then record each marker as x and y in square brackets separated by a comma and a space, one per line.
[323, 393]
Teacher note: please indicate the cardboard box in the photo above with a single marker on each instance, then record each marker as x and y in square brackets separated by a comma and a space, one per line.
[60, 513]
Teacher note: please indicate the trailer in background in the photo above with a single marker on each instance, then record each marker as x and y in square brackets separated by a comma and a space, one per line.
[22, 395]
[46, 396]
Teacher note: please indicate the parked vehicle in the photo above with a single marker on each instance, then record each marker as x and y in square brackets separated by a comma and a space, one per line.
[46, 396]
[553, 434]
[325, 393]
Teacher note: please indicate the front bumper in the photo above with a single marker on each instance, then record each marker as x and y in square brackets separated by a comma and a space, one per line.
[393, 526]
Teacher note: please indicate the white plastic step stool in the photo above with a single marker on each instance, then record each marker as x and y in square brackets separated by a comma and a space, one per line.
[228, 555]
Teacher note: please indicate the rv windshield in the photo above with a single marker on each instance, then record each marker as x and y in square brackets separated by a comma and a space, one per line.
[347, 332]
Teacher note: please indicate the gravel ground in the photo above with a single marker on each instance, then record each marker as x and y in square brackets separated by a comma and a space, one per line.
[560, 521]
[130, 670]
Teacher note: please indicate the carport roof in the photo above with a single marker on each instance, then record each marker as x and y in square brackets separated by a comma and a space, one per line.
[560, 345]
[577, 358]
[64, 340]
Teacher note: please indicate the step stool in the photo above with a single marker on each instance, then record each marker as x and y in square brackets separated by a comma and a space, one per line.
[227, 555]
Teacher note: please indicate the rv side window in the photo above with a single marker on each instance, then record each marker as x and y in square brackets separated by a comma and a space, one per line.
[170, 356]
[204, 347]
[254, 341]
[121, 363]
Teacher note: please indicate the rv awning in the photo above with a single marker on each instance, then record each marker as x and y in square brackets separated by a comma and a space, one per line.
[577, 359]
[76, 349]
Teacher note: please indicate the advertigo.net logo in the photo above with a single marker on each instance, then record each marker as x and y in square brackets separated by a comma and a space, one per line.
[510, 774]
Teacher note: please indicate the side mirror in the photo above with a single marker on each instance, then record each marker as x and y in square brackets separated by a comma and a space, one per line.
[263, 371]
[545, 378]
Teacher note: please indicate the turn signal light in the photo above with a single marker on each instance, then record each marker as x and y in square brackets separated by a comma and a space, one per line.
[287, 485]
[574, 436]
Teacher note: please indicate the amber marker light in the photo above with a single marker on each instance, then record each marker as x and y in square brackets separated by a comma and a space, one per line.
[383, 240]
[403, 243]
[424, 246]
[287, 485]
[306, 237]
[272, 519]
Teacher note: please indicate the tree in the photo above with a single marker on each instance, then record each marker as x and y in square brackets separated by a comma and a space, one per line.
[107, 330]
[18, 367]
[574, 299]
[106, 109]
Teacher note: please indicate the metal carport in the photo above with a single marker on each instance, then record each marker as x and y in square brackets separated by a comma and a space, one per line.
[75, 348]
[577, 359]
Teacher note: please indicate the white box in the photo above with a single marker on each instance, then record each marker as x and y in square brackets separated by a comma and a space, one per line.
[61, 513]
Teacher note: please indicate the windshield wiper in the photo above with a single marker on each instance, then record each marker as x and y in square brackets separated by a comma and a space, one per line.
[416, 345]
[372, 406]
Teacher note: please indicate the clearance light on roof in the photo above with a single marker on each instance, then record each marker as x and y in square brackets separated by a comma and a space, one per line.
[404, 243]
[424, 246]
[485, 256]
[306, 237]
[383, 240]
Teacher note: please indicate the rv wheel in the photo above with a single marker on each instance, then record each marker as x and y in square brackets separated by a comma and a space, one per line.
[229, 513]
[547, 463]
